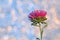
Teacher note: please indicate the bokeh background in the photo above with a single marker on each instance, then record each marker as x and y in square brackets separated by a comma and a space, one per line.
[15, 25]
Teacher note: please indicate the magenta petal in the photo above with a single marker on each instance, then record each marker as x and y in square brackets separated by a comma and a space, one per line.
[37, 13]
[43, 13]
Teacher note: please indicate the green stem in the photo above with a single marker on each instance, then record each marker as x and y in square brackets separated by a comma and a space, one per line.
[41, 31]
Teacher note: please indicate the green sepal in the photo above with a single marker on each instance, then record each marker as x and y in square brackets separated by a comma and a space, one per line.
[34, 24]
[38, 20]
[43, 18]
[43, 22]
[33, 20]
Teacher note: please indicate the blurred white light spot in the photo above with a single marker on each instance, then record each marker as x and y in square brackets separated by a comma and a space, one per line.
[30, 6]
[14, 18]
[23, 30]
[24, 38]
[13, 38]
[2, 30]
[55, 19]
[5, 37]
[2, 15]
[9, 28]
[57, 37]
[10, 2]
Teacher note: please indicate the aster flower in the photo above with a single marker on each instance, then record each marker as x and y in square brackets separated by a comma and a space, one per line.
[37, 18]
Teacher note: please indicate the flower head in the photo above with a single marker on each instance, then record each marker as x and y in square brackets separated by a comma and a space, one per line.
[37, 18]
[37, 14]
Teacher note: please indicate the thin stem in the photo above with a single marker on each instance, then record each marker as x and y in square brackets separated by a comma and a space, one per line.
[41, 31]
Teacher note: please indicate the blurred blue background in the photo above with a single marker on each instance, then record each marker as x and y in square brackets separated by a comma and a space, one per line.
[15, 25]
